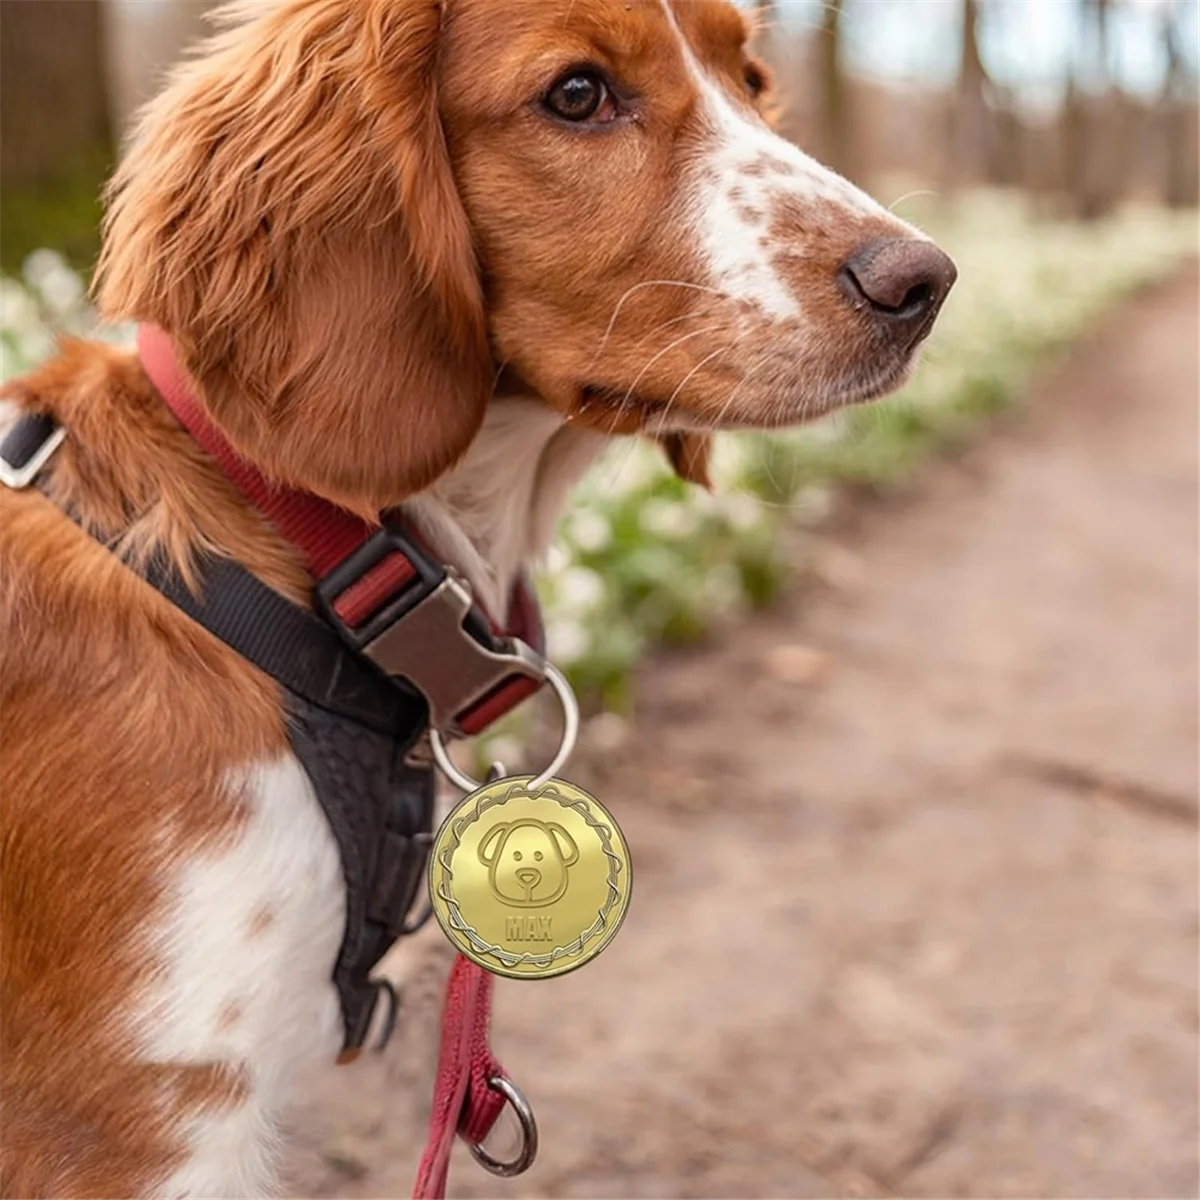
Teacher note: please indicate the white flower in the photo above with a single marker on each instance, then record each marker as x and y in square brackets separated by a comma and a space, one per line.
[723, 589]
[19, 315]
[589, 531]
[33, 345]
[124, 334]
[669, 518]
[813, 503]
[557, 560]
[62, 291]
[566, 640]
[742, 511]
[579, 589]
[628, 470]
[41, 264]
[733, 455]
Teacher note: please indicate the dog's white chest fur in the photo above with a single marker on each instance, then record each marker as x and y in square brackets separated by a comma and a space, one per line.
[251, 936]
[496, 511]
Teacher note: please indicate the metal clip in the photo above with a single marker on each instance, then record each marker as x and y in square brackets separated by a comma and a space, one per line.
[430, 646]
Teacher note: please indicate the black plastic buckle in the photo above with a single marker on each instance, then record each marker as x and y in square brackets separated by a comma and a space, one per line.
[431, 633]
[369, 993]
[27, 448]
[389, 540]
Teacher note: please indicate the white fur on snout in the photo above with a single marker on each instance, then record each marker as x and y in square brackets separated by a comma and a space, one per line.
[739, 181]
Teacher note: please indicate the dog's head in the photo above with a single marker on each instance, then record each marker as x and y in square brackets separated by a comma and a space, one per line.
[527, 861]
[352, 213]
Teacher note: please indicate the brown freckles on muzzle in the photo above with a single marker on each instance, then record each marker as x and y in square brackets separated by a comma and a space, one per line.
[867, 287]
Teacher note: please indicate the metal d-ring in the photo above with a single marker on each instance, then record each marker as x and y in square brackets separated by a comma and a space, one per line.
[570, 707]
[529, 1132]
[387, 989]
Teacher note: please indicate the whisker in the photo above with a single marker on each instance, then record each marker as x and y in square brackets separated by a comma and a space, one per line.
[640, 375]
[634, 444]
[747, 376]
[912, 195]
[683, 382]
[633, 441]
[645, 283]
[667, 324]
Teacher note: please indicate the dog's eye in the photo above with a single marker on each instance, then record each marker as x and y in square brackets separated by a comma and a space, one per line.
[537, 854]
[581, 96]
[517, 855]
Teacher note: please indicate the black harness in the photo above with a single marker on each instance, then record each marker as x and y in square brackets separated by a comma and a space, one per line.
[352, 723]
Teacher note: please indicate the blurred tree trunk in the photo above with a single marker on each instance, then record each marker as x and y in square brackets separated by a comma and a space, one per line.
[835, 124]
[972, 134]
[1095, 152]
[53, 95]
[1008, 157]
[1176, 105]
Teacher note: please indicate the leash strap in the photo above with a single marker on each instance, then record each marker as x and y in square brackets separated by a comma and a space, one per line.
[465, 1100]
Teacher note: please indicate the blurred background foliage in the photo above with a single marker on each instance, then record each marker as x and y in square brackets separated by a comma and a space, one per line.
[1050, 145]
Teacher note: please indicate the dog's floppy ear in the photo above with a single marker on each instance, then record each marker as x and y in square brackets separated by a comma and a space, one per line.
[287, 212]
[565, 844]
[490, 847]
[689, 454]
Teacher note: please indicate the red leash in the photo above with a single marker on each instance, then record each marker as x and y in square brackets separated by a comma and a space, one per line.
[463, 1100]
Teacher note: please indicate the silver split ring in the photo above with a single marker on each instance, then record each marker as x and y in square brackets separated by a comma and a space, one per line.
[570, 709]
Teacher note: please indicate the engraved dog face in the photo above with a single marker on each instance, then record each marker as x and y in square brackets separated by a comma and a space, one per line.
[527, 861]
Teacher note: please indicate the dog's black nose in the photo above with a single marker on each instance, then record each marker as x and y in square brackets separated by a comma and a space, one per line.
[901, 283]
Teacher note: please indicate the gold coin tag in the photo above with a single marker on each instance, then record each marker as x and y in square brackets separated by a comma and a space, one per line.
[529, 884]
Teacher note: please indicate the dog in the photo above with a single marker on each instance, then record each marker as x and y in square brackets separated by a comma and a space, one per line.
[428, 256]
[527, 861]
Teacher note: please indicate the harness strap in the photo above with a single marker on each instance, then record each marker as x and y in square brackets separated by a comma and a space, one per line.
[312, 662]
[379, 808]
[296, 649]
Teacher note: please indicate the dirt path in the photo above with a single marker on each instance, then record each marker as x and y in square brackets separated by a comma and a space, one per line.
[916, 855]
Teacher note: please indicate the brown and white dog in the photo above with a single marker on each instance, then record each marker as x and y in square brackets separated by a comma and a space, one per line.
[428, 253]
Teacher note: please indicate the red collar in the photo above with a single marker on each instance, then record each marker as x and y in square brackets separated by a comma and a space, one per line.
[377, 583]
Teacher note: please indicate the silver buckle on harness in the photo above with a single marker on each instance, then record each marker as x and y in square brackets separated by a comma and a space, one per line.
[431, 648]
